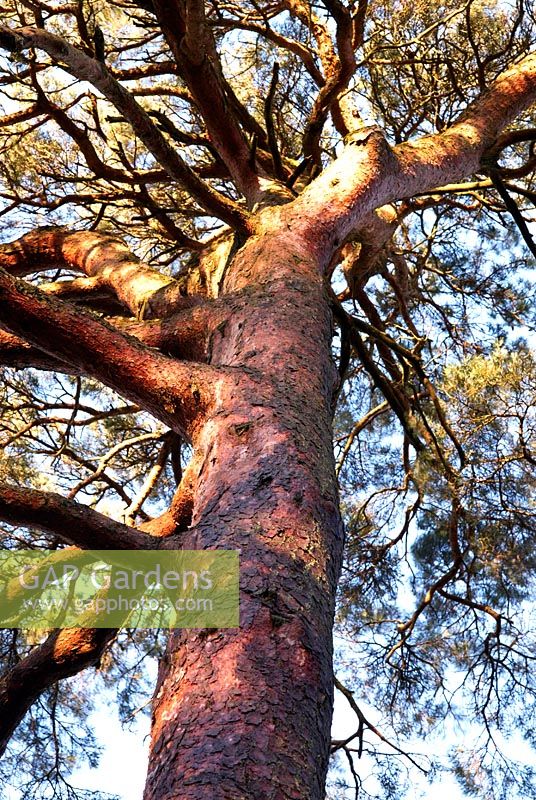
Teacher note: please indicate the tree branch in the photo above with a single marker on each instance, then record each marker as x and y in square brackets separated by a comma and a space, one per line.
[369, 173]
[95, 254]
[511, 205]
[72, 522]
[185, 335]
[190, 39]
[178, 517]
[175, 392]
[268, 110]
[84, 68]
[65, 652]
[364, 723]
[16, 353]
[371, 240]
[338, 68]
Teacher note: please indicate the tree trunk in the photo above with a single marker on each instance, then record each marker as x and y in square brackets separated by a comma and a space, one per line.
[246, 713]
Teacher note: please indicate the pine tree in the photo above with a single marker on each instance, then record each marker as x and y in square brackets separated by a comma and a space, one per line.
[235, 234]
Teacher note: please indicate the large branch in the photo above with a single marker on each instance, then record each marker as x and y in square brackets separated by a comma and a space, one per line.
[18, 354]
[338, 74]
[72, 522]
[338, 68]
[88, 69]
[145, 291]
[366, 253]
[190, 39]
[95, 254]
[109, 266]
[369, 173]
[185, 335]
[65, 652]
[173, 391]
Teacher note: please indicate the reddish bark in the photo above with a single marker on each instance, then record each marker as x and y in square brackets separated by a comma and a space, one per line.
[266, 487]
[78, 524]
[190, 40]
[104, 258]
[64, 653]
[173, 391]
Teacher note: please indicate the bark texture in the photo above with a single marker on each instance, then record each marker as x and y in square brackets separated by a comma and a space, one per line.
[267, 488]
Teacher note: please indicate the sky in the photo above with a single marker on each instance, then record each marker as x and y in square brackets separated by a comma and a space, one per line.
[123, 764]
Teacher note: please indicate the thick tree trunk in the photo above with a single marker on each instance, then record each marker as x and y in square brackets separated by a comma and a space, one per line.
[246, 713]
